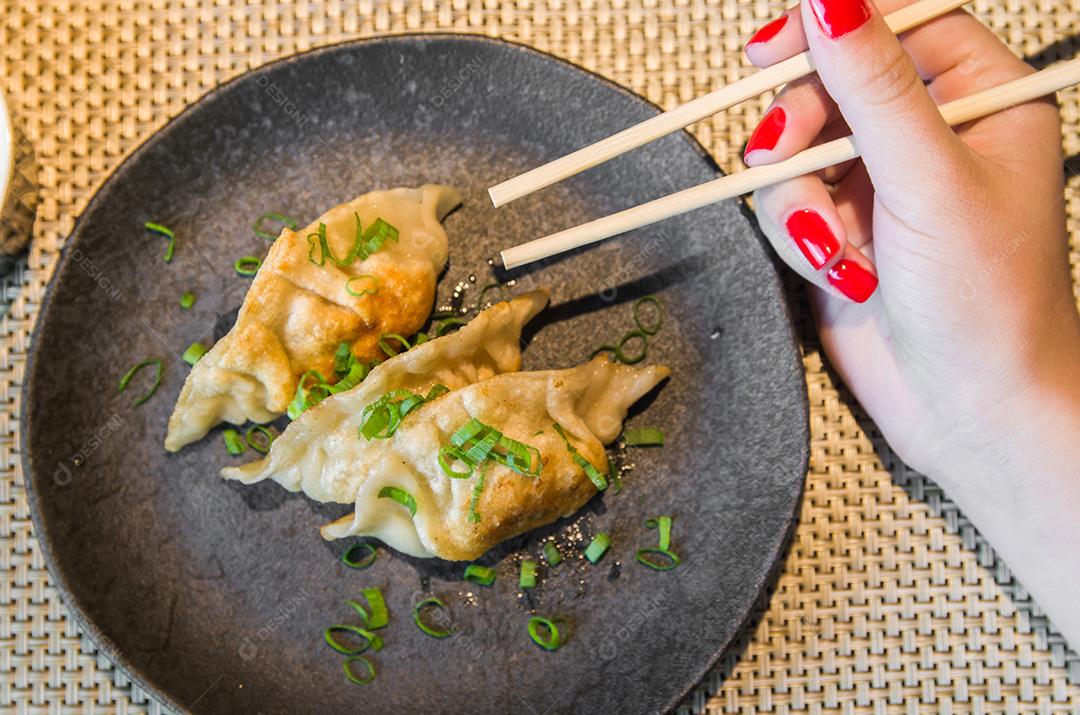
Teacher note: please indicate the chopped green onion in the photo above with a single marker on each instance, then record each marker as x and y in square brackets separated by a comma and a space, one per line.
[262, 446]
[551, 640]
[233, 443]
[620, 353]
[401, 496]
[381, 418]
[367, 242]
[645, 437]
[430, 602]
[614, 478]
[597, 547]
[194, 352]
[167, 233]
[474, 498]
[343, 359]
[447, 456]
[591, 472]
[379, 616]
[347, 667]
[643, 554]
[301, 400]
[321, 238]
[479, 442]
[247, 266]
[654, 327]
[260, 229]
[390, 352]
[371, 288]
[551, 554]
[187, 300]
[449, 324]
[483, 575]
[349, 558]
[527, 579]
[370, 640]
[663, 525]
[136, 368]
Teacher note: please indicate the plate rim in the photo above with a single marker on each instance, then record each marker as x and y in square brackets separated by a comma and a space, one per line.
[90, 630]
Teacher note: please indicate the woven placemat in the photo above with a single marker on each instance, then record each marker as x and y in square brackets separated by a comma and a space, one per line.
[889, 600]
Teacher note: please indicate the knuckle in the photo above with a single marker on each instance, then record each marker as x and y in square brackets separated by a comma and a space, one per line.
[892, 78]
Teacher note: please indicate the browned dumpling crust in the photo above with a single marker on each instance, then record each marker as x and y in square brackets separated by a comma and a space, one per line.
[589, 402]
[296, 313]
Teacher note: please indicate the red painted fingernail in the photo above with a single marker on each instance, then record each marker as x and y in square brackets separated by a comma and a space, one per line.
[768, 132]
[813, 236]
[852, 280]
[769, 31]
[837, 18]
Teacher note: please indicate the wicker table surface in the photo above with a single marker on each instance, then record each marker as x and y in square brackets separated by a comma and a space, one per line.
[889, 601]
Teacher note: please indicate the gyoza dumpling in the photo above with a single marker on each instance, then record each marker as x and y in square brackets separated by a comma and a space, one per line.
[588, 403]
[297, 312]
[306, 455]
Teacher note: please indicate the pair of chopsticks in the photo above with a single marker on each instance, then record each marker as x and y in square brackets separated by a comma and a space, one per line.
[978, 105]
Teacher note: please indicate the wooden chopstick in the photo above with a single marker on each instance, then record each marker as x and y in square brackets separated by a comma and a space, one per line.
[978, 105]
[694, 110]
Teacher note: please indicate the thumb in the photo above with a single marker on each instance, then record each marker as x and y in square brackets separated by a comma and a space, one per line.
[906, 145]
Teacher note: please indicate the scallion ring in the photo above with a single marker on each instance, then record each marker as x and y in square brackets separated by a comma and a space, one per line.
[167, 233]
[370, 640]
[260, 229]
[644, 437]
[370, 288]
[643, 555]
[378, 616]
[527, 577]
[390, 352]
[597, 547]
[194, 352]
[233, 444]
[448, 325]
[450, 454]
[431, 602]
[247, 266]
[663, 525]
[401, 496]
[159, 373]
[347, 667]
[548, 641]
[349, 558]
[551, 554]
[620, 351]
[483, 575]
[262, 446]
[187, 300]
[649, 328]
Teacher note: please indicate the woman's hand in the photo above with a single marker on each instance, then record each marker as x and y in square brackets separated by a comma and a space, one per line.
[943, 295]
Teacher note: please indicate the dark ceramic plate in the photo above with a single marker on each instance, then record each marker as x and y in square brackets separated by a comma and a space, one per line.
[213, 596]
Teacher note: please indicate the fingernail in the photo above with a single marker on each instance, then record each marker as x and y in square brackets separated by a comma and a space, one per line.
[852, 280]
[769, 31]
[813, 236]
[837, 18]
[768, 132]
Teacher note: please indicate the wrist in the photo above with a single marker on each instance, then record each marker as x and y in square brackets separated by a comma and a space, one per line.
[1025, 437]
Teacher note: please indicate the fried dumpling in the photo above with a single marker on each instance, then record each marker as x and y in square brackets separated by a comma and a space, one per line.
[297, 311]
[306, 455]
[583, 407]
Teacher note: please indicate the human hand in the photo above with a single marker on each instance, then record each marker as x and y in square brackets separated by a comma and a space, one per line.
[974, 316]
